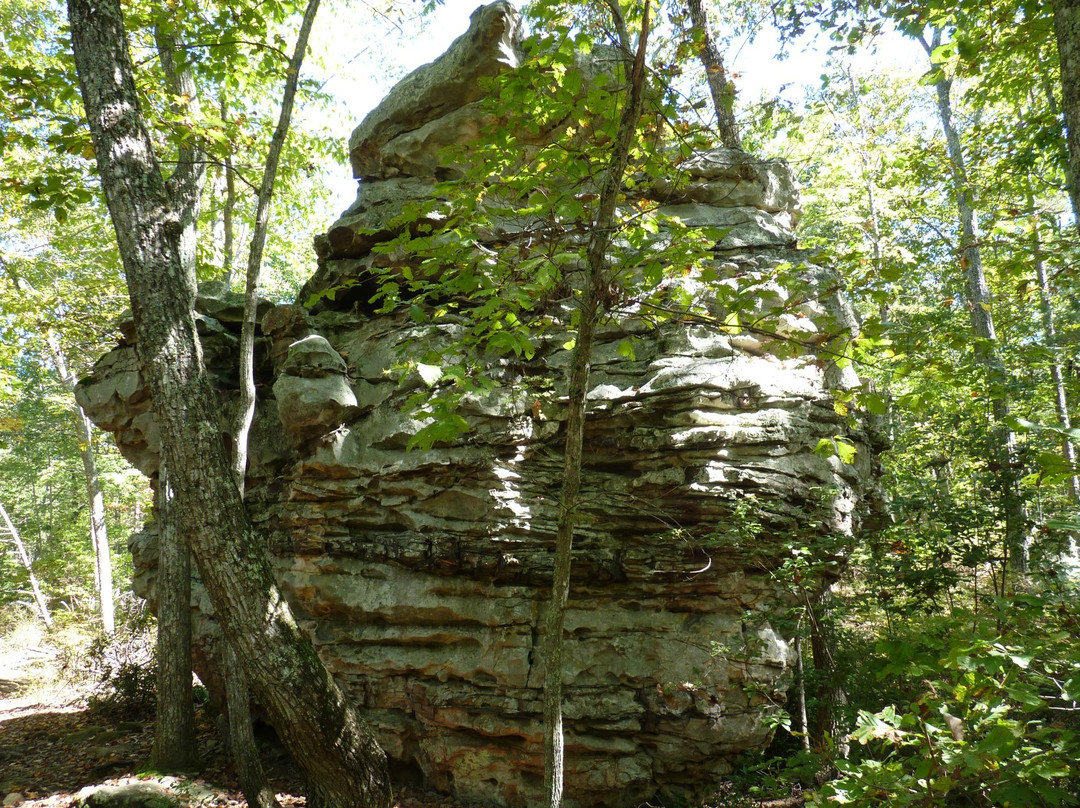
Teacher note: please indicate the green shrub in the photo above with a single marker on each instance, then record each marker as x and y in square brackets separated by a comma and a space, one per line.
[123, 667]
[985, 730]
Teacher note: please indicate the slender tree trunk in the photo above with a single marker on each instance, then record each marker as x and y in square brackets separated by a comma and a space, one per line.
[342, 761]
[868, 171]
[1057, 378]
[99, 536]
[1067, 33]
[24, 559]
[596, 278]
[229, 208]
[720, 86]
[800, 683]
[174, 730]
[831, 693]
[245, 752]
[99, 539]
[982, 324]
[255, 253]
[185, 184]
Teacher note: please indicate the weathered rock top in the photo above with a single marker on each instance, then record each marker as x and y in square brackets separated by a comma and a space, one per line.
[430, 92]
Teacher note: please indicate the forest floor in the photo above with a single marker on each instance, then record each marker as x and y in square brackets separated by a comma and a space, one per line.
[52, 744]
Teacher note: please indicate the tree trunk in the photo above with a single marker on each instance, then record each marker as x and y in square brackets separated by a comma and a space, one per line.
[596, 278]
[230, 207]
[24, 558]
[1067, 33]
[185, 184]
[174, 729]
[245, 752]
[982, 325]
[246, 408]
[342, 761]
[1057, 378]
[800, 684]
[99, 536]
[720, 87]
[830, 693]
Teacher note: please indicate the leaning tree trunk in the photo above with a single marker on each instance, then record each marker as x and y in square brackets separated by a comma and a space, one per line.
[246, 408]
[340, 757]
[99, 536]
[596, 279]
[174, 728]
[24, 559]
[720, 87]
[982, 324]
[1067, 33]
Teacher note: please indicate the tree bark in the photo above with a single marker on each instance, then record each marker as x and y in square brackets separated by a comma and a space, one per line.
[830, 694]
[230, 207]
[99, 536]
[174, 726]
[721, 89]
[24, 558]
[185, 185]
[342, 761]
[982, 323]
[800, 683]
[1067, 33]
[596, 279]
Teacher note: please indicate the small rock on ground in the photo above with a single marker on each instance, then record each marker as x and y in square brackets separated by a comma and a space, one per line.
[146, 794]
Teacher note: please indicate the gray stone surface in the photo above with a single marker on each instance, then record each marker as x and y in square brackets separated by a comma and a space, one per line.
[728, 177]
[441, 88]
[313, 396]
[148, 794]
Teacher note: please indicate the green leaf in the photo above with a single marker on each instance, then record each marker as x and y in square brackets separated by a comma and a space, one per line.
[837, 447]
[446, 428]
[874, 403]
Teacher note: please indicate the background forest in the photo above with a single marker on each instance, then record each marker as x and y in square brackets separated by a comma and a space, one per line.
[942, 666]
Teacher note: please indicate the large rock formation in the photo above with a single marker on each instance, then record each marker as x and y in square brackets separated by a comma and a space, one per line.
[423, 575]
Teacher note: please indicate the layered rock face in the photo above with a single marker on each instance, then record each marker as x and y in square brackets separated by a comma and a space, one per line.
[423, 575]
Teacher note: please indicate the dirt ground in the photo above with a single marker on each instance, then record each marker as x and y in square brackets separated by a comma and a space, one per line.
[52, 744]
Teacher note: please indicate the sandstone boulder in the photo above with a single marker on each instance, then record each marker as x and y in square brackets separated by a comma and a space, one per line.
[423, 576]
